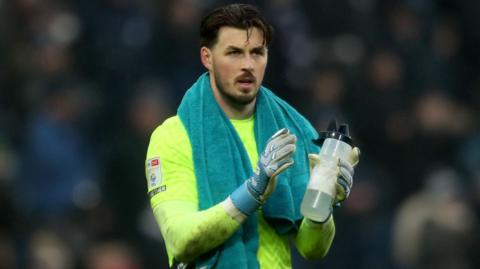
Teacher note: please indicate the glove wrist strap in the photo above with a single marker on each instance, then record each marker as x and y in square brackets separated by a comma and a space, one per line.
[244, 200]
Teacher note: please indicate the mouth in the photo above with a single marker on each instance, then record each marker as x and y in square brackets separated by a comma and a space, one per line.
[246, 81]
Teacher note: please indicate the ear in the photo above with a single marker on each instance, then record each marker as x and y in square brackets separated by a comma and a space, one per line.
[206, 57]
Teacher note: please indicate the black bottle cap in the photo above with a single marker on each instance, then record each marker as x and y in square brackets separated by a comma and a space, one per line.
[341, 133]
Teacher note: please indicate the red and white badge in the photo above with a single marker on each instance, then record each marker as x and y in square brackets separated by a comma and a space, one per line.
[154, 173]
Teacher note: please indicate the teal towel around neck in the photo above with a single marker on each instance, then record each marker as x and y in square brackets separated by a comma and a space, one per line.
[222, 164]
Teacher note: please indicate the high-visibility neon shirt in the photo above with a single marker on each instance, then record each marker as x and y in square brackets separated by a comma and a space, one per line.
[172, 187]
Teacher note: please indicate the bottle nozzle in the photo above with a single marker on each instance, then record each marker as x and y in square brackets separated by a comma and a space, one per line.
[332, 126]
[343, 129]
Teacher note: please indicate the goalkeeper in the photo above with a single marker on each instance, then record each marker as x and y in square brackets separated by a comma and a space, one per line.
[227, 174]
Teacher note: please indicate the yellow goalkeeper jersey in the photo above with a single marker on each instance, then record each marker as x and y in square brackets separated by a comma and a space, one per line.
[170, 158]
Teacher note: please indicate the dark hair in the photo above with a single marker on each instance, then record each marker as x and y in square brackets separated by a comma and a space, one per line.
[241, 16]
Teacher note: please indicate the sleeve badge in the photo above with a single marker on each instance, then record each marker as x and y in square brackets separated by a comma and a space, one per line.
[154, 173]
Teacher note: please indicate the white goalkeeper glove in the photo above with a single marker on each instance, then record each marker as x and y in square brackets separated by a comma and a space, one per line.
[345, 172]
[276, 157]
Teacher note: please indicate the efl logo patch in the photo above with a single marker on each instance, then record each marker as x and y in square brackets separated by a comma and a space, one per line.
[154, 173]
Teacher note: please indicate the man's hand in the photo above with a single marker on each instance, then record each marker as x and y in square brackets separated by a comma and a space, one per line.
[345, 172]
[276, 157]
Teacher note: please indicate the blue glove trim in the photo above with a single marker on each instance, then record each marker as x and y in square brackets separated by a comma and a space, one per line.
[261, 181]
[244, 201]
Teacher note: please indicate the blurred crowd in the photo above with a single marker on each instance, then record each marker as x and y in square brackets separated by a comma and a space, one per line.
[84, 83]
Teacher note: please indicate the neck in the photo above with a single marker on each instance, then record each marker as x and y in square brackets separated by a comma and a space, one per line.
[232, 109]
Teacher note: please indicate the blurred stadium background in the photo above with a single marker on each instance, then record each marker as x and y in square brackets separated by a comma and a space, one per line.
[84, 83]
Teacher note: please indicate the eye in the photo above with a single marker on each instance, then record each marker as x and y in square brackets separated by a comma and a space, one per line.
[258, 52]
[234, 52]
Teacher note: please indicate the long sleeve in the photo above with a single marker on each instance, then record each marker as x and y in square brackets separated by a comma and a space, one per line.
[313, 240]
[189, 233]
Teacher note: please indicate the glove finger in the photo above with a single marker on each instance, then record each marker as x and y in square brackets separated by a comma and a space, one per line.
[344, 165]
[282, 162]
[346, 176]
[285, 152]
[341, 195]
[272, 184]
[313, 159]
[354, 156]
[343, 191]
[281, 141]
[272, 146]
[279, 132]
[279, 159]
[344, 184]
[282, 168]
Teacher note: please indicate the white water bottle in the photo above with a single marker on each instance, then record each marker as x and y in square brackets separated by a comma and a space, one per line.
[318, 200]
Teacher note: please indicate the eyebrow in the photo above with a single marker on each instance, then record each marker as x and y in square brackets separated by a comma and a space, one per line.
[232, 47]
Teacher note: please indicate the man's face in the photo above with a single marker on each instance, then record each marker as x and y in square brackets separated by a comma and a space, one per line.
[238, 64]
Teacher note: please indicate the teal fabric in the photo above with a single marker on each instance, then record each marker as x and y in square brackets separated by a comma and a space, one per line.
[222, 164]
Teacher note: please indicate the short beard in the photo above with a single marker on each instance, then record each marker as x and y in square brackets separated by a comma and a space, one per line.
[236, 102]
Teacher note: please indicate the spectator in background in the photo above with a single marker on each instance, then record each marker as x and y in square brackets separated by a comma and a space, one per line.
[294, 55]
[149, 105]
[444, 65]
[56, 164]
[378, 107]
[180, 27]
[440, 123]
[327, 92]
[434, 227]
[111, 255]
[119, 35]
[49, 251]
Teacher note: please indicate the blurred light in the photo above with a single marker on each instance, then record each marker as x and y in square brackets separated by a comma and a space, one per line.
[64, 29]
[50, 251]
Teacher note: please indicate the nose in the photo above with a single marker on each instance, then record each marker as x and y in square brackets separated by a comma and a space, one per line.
[248, 63]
